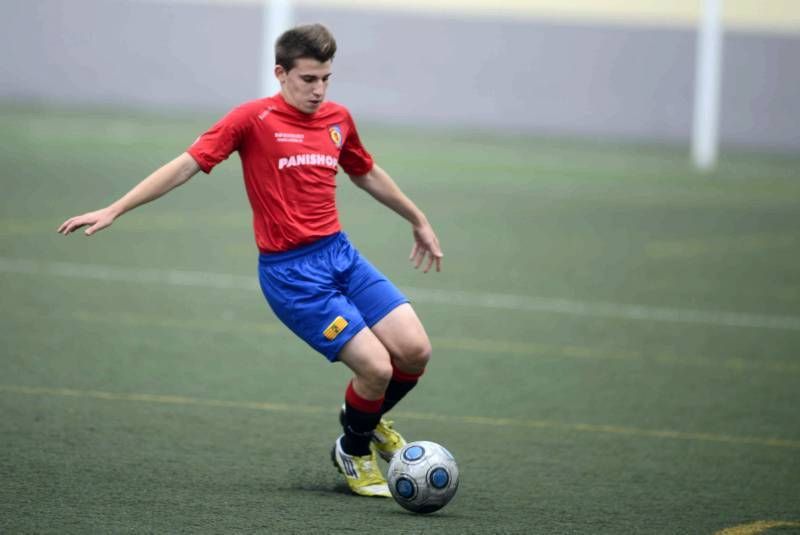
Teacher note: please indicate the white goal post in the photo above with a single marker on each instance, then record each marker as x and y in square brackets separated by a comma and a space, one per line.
[277, 17]
[707, 86]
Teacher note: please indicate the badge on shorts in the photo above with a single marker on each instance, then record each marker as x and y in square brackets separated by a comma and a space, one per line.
[335, 328]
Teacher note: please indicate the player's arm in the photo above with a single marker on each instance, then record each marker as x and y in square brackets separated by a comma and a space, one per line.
[380, 185]
[162, 180]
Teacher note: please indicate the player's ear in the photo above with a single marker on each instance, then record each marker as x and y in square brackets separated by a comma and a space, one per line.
[280, 73]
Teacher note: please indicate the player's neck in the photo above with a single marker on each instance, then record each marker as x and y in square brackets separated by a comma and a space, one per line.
[292, 107]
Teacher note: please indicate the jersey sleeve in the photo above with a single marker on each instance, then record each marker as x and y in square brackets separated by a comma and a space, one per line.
[219, 141]
[354, 158]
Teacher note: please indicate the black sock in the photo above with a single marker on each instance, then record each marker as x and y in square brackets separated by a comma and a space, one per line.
[359, 422]
[396, 391]
[400, 385]
[358, 428]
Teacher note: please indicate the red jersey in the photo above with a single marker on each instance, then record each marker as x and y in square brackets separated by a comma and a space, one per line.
[289, 159]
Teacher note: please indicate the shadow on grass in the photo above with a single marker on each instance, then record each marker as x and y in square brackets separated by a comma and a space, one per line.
[392, 510]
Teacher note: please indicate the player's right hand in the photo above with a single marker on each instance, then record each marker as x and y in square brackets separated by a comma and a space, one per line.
[97, 220]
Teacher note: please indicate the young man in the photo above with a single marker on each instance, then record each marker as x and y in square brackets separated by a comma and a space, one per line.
[315, 281]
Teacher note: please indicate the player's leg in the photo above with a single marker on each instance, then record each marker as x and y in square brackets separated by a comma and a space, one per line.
[371, 365]
[352, 455]
[402, 334]
[404, 337]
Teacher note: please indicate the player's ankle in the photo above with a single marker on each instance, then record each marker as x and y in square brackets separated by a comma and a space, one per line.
[356, 444]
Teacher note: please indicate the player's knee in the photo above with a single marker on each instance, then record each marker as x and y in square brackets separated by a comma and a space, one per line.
[422, 354]
[415, 355]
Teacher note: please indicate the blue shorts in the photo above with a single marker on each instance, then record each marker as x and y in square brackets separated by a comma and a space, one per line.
[326, 292]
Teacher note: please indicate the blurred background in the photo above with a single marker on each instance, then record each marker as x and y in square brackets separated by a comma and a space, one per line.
[616, 335]
[578, 68]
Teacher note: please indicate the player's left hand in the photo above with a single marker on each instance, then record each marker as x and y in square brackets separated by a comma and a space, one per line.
[426, 244]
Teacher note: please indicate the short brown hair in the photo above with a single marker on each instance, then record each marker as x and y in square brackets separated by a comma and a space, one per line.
[306, 41]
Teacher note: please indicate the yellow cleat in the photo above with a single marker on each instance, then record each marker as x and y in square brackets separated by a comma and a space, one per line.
[361, 472]
[386, 440]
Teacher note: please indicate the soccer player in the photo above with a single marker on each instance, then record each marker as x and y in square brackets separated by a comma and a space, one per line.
[315, 281]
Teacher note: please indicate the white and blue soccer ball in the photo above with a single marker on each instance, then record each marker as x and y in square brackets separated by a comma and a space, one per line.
[423, 476]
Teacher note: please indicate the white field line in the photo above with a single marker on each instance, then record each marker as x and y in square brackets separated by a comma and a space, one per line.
[605, 310]
[421, 295]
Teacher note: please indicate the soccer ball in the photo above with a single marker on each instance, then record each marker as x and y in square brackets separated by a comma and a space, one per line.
[423, 476]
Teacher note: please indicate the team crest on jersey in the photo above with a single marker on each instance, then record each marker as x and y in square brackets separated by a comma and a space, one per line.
[336, 135]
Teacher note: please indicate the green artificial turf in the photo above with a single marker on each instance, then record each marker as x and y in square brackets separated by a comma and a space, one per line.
[616, 339]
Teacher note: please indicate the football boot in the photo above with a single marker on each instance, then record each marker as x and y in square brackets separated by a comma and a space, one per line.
[361, 472]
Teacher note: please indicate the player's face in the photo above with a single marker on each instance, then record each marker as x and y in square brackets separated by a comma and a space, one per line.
[304, 86]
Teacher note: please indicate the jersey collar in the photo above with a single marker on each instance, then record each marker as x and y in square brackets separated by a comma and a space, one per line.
[294, 112]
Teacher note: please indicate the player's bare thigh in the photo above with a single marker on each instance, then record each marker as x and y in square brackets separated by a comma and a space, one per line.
[402, 334]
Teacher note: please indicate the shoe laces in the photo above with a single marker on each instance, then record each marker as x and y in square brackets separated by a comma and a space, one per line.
[388, 434]
[386, 423]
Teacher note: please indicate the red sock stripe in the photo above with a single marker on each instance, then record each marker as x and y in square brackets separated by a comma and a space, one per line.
[357, 402]
[404, 377]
